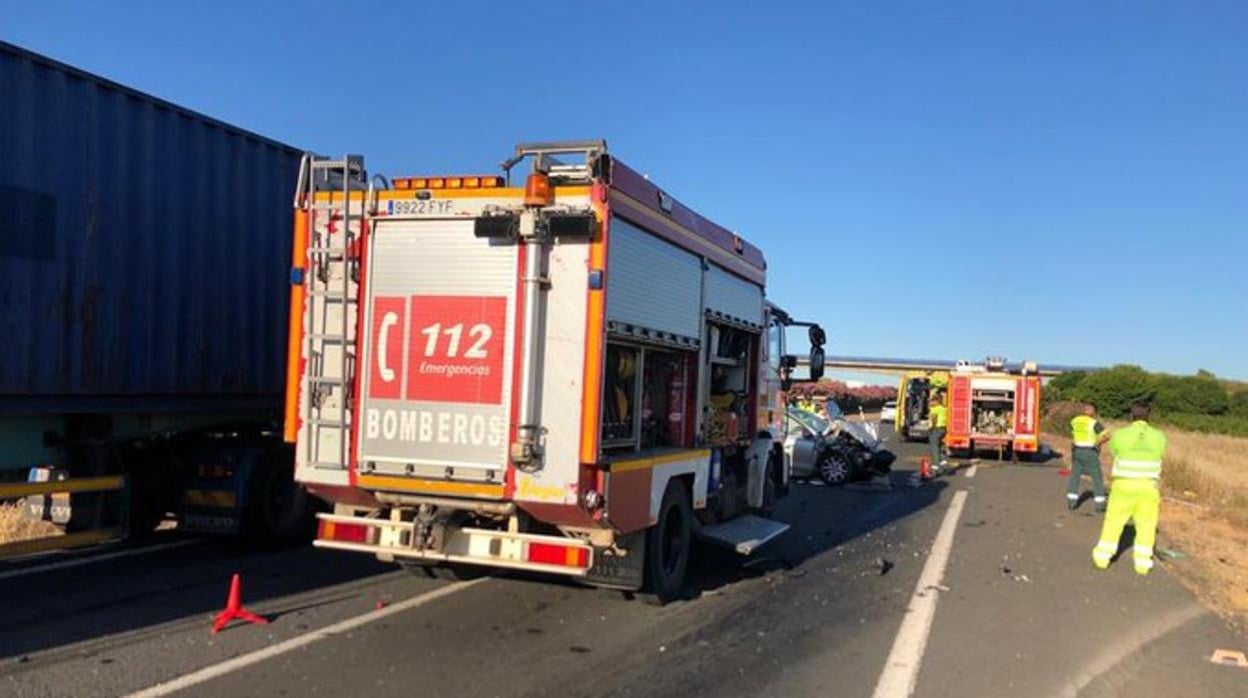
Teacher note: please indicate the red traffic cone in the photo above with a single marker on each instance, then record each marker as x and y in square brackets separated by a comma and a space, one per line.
[925, 468]
[234, 608]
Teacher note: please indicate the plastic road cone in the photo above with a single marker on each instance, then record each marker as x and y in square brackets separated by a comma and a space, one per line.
[234, 608]
[925, 468]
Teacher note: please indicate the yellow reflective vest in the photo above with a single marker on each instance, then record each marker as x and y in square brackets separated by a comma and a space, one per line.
[1138, 451]
[1083, 430]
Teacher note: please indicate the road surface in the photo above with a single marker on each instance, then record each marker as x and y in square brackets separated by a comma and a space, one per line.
[1008, 604]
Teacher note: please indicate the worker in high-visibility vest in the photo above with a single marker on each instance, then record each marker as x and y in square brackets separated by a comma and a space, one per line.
[1087, 435]
[938, 415]
[1138, 452]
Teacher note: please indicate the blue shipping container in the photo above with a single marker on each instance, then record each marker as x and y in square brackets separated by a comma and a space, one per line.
[144, 250]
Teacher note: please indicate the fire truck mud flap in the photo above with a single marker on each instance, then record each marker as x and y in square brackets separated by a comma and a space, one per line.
[744, 534]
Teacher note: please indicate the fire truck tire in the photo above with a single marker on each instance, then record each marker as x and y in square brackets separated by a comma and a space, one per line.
[668, 545]
[279, 511]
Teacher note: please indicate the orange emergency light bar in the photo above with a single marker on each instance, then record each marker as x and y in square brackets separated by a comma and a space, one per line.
[450, 182]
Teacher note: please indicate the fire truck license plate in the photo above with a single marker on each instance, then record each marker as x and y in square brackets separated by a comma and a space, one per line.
[421, 207]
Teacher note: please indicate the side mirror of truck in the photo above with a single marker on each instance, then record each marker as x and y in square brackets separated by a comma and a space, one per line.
[817, 338]
[816, 362]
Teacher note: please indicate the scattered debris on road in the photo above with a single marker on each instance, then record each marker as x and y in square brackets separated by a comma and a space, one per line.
[884, 565]
[1229, 658]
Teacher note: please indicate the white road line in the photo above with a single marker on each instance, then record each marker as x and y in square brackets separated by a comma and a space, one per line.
[901, 670]
[970, 472]
[99, 558]
[245, 660]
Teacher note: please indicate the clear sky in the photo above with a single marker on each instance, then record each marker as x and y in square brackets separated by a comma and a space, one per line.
[1060, 181]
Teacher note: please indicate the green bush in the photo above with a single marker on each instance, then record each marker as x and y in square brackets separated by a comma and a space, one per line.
[1060, 388]
[1199, 394]
[1231, 425]
[1113, 391]
[1239, 404]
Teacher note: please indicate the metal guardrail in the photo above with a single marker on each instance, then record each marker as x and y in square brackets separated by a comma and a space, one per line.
[111, 483]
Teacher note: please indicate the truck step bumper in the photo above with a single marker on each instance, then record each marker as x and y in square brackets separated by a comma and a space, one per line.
[469, 546]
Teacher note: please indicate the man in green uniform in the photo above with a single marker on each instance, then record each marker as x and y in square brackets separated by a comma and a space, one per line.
[938, 414]
[1087, 434]
[1138, 451]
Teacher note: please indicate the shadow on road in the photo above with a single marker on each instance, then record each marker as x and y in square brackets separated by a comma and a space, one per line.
[140, 594]
[821, 518]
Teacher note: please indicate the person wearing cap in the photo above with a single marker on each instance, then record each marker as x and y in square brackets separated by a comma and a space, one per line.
[1138, 453]
[1087, 435]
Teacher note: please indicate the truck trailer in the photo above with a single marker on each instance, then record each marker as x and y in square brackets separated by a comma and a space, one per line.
[574, 374]
[144, 252]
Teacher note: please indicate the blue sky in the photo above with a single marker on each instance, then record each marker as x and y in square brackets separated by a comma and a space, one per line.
[1062, 181]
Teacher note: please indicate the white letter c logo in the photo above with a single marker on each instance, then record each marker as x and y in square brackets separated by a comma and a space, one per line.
[383, 334]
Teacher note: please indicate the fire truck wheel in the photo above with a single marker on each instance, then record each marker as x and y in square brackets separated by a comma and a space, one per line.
[668, 544]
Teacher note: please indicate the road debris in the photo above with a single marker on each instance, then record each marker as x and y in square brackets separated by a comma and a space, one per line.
[1170, 554]
[884, 565]
[1233, 658]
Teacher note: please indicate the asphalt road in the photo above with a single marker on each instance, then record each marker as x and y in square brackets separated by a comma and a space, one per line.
[831, 608]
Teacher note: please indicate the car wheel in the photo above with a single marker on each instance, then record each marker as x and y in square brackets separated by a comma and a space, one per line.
[834, 468]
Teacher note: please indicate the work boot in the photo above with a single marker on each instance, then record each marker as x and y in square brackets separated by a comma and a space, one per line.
[1100, 507]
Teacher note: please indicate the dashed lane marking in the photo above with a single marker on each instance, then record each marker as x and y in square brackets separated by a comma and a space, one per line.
[901, 670]
[245, 660]
[970, 472]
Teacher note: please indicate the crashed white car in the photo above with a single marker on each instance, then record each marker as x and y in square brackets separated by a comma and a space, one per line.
[835, 450]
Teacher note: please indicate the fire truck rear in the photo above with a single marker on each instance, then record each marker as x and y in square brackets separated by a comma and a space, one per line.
[994, 408]
[574, 376]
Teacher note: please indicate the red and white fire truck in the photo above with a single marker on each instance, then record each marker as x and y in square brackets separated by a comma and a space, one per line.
[573, 376]
[994, 408]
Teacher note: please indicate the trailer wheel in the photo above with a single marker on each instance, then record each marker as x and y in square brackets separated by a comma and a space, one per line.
[279, 511]
[668, 544]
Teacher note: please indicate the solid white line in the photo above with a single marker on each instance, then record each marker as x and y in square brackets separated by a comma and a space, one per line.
[99, 558]
[970, 472]
[901, 670]
[245, 660]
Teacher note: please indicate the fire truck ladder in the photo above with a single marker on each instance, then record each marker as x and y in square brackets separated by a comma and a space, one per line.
[332, 272]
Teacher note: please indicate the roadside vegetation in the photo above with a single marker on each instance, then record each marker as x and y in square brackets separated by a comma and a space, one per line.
[869, 397]
[14, 525]
[1200, 403]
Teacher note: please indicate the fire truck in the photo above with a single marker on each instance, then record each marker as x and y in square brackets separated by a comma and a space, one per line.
[994, 408]
[574, 375]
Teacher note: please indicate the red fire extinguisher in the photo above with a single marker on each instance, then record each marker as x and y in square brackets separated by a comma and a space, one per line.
[674, 425]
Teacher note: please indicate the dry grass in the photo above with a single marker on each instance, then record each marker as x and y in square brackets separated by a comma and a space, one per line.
[1205, 514]
[14, 525]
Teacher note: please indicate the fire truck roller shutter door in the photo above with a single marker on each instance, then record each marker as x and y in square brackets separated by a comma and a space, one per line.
[652, 283]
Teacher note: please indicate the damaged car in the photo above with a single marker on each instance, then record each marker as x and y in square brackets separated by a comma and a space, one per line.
[832, 448]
